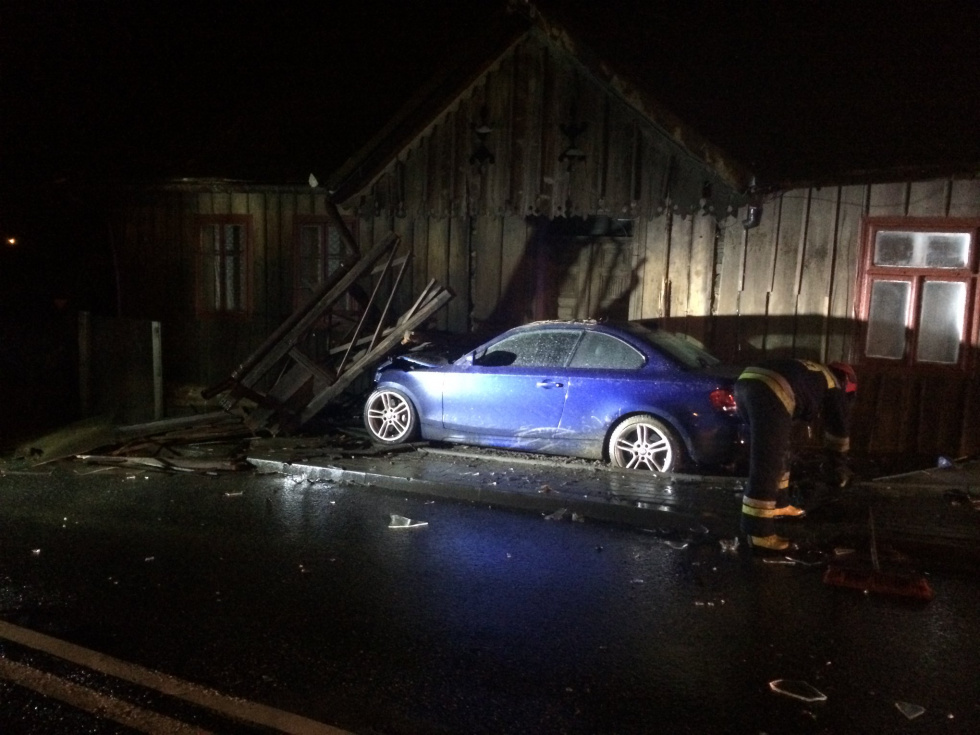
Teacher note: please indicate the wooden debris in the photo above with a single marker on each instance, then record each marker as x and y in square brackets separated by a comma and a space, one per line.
[281, 386]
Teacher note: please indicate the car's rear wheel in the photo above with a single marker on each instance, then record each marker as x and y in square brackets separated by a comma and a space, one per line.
[644, 443]
[390, 417]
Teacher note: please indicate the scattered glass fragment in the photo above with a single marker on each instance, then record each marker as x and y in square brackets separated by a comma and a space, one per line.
[944, 463]
[36, 552]
[398, 521]
[842, 551]
[234, 495]
[676, 544]
[910, 710]
[797, 689]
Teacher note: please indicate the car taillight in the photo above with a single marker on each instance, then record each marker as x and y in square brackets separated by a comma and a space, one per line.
[723, 399]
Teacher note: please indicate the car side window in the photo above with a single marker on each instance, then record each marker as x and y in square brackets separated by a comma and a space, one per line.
[547, 348]
[602, 351]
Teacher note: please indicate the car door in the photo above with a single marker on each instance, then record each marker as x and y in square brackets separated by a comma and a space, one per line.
[516, 387]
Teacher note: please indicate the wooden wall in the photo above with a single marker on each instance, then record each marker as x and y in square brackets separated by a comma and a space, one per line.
[788, 286]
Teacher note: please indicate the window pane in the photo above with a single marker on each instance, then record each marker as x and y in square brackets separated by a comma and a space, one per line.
[605, 352]
[941, 323]
[894, 248]
[550, 348]
[887, 319]
[947, 250]
[922, 249]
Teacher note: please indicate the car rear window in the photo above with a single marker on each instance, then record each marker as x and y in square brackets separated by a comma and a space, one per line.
[604, 352]
[682, 350]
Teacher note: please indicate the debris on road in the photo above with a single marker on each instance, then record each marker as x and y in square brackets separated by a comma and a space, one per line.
[910, 710]
[398, 521]
[797, 689]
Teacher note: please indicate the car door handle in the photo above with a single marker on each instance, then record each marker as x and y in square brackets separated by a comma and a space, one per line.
[549, 384]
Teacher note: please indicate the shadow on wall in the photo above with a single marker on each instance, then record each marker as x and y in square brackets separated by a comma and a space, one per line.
[575, 267]
[925, 410]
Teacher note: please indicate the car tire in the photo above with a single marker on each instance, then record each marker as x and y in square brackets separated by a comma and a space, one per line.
[390, 417]
[644, 443]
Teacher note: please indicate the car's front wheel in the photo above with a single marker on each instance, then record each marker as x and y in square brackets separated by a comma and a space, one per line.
[644, 443]
[390, 417]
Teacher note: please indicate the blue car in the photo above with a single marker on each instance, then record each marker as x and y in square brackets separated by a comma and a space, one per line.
[639, 396]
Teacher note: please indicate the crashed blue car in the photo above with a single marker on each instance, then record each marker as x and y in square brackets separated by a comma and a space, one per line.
[638, 396]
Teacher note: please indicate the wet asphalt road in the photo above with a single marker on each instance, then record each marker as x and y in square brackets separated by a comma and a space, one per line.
[300, 597]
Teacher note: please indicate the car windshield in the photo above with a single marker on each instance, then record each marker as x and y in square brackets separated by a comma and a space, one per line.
[681, 349]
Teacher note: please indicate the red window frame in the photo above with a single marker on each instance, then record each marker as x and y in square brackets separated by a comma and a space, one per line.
[224, 274]
[917, 277]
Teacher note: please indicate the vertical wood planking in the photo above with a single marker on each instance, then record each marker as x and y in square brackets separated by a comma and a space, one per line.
[516, 272]
[702, 270]
[618, 155]
[420, 247]
[459, 274]
[760, 256]
[654, 245]
[536, 61]
[548, 164]
[679, 267]
[402, 226]
[888, 200]
[500, 104]
[261, 256]
[520, 143]
[413, 181]
[813, 304]
[843, 327]
[732, 268]
[786, 272]
[928, 198]
[438, 236]
[964, 199]
[487, 244]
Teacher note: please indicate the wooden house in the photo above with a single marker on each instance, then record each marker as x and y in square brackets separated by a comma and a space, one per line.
[536, 182]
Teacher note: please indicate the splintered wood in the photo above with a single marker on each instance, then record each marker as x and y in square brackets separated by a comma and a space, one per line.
[292, 376]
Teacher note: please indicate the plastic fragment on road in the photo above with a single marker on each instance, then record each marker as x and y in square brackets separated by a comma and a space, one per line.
[558, 515]
[910, 710]
[729, 546]
[797, 689]
[398, 521]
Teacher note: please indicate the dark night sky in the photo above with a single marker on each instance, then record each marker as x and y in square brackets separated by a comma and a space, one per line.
[792, 88]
